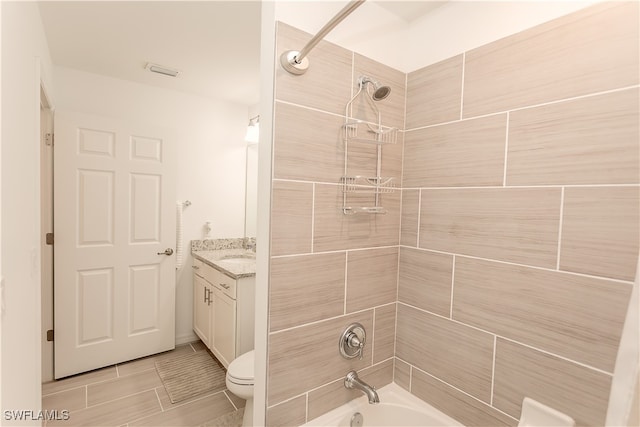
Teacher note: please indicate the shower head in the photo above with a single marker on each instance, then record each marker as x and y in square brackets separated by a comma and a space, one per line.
[379, 92]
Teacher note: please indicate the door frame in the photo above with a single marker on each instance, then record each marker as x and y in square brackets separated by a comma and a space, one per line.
[46, 226]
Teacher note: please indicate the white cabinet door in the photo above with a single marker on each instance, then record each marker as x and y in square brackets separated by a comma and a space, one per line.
[202, 299]
[224, 327]
[114, 216]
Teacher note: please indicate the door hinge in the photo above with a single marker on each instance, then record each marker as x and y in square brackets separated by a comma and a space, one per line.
[48, 238]
[50, 335]
[48, 139]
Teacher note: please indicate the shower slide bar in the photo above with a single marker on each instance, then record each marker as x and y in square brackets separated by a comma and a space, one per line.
[296, 62]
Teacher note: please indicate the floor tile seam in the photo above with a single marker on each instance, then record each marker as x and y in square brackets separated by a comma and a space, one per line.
[96, 382]
[204, 396]
[179, 405]
[126, 396]
[62, 391]
[159, 407]
[229, 398]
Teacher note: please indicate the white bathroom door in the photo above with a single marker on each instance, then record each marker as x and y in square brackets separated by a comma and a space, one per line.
[114, 216]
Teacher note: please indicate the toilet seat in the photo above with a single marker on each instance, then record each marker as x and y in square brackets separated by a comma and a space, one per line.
[241, 369]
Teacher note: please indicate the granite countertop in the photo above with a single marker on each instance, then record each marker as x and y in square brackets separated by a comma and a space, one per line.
[216, 259]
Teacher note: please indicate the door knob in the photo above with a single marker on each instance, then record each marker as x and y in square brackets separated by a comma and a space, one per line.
[167, 252]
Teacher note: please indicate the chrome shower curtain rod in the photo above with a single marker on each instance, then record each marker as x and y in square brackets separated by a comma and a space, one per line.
[295, 62]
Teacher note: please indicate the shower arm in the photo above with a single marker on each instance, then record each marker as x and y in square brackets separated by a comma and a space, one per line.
[295, 62]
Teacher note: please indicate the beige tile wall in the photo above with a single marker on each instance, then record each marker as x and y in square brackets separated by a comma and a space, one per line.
[511, 246]
[328, 269]
[520, 224]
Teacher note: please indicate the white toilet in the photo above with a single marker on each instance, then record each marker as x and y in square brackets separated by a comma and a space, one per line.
[240, 380]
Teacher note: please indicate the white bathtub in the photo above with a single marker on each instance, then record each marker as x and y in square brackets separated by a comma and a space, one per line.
[397, 408]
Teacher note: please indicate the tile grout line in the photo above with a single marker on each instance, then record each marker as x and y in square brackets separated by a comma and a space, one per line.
[543, 104]
[560, 222]
[306, 406]
[289, 399]
[506, 152]
[493, 369]
[315, 322]
[464, 62]
[519, 187]
[373, 336]
[335, 251]
[453, 275]
[229, 399]
[313, 212]
[547, 352]
[572, 273]
[418, 219]
[155, 390]
[346, 273]
[458, 389]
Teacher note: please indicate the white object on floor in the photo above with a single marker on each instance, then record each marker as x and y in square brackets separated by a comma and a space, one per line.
[535, 414]
[240, 381]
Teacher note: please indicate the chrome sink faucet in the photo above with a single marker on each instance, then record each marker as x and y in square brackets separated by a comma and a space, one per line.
[352, 381]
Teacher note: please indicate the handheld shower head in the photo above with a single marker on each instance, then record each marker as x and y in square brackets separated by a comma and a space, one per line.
[380, 92]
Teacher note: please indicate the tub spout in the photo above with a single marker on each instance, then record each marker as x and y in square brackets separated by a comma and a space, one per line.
[352, 381]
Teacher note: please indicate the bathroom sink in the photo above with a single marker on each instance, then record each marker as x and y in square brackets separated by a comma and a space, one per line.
[239, 259]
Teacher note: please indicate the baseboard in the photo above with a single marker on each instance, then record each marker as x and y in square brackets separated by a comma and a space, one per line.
[186, 338]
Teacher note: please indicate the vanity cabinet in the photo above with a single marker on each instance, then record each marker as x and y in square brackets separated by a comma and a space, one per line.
[202, 309]
[223, 311]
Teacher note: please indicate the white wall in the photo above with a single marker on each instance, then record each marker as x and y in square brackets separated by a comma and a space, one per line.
[449, 30]
[25, 59]
[211, 155]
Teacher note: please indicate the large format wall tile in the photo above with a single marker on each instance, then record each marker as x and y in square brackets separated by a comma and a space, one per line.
[308, 145]
[424, 280]
[509, 224]
[573, 316]
[372, 278]
[384, 334]
[585, 141]
[335, 231]
[456, 404]
[327, 83]
[409, 221]
[600, 231]
[577, 391]
[291, 211]
[304, 358]
[434, 93]
[306, 288]
[290, 413]
[402, 374]
[593, 50]
[457, 354]
[391, 108]
[461, 154]
[335, 394]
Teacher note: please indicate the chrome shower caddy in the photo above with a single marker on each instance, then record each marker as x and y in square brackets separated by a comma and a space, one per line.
[361, 131]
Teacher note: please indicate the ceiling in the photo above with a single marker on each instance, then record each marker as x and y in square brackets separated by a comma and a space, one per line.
[214, 44]
[409, 11]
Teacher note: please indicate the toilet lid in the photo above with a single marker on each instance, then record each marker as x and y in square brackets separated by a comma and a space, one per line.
[241, 369]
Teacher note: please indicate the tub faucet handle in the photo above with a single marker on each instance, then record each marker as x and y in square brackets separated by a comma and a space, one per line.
[352, 341]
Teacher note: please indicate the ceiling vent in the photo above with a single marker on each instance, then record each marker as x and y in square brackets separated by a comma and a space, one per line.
[159, 69]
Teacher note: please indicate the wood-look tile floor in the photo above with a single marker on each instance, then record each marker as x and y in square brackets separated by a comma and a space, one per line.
[131, 394]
